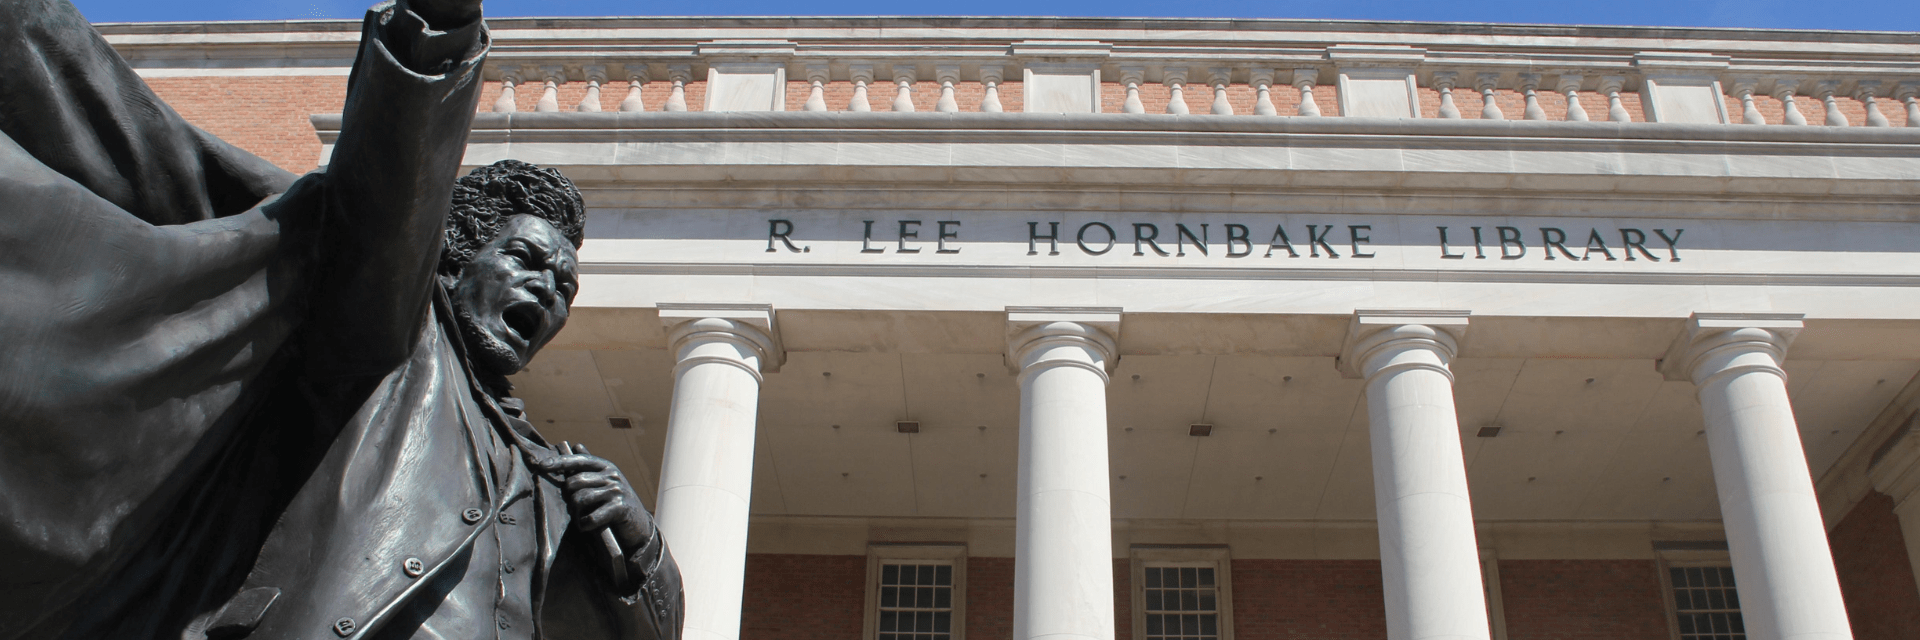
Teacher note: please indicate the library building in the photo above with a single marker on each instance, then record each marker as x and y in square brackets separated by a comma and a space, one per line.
[1185, 329]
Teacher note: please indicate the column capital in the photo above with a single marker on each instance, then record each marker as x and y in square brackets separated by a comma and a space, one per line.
[1717, 343]
[748, 326]
[1371, 331]
[1094, 329]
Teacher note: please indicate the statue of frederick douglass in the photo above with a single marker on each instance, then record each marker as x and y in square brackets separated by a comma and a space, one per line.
[237, 403]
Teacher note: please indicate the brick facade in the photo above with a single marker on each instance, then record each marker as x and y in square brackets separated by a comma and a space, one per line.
[796, 597]
[1272, 599]
[1308, 599]
[264, 115]
[1875, 577]
[1583, 600]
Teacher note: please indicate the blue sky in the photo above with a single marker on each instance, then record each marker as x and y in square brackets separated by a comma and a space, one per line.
[1892, 15]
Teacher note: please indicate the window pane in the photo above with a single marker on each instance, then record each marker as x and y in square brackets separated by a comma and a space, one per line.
[1189, 577]
[1154, 624]
[1210, 625]
[889, 621]
[1153, 577]
[943, 621]
[944, 575]
[1206, 576]
[943, 598]
[1206, 601]
[1189, 601]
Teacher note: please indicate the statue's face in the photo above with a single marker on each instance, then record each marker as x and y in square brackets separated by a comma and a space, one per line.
[515, 294]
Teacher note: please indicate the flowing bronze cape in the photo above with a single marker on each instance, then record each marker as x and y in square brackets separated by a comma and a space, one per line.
[202, 355]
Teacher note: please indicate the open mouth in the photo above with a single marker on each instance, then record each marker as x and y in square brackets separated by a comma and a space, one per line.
[523, 320]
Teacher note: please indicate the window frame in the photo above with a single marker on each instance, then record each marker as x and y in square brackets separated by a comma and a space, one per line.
[880, 553]
[1687, 555]
[1215, 556]
[1490, 586]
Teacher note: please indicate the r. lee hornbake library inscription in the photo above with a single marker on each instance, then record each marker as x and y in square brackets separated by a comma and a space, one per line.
[1234, 240]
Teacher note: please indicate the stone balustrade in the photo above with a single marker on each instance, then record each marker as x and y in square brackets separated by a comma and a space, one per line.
[1375, 81]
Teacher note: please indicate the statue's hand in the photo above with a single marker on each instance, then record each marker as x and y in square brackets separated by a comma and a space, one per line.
[600, 497]
[445, 14]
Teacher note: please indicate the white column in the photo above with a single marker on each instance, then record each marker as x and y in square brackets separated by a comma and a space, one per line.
[706, 478]
[1063, 535]
[1788, 590]
[1897, 474]
[1429, 560]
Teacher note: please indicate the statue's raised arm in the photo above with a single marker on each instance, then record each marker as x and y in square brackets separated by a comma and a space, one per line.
[410, 101]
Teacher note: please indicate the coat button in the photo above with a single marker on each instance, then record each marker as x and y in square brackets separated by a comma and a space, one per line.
[414, 567]
[344, 627]
[472, 515]
[507, 519]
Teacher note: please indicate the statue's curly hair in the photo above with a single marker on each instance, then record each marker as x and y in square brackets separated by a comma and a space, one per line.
[484, 199]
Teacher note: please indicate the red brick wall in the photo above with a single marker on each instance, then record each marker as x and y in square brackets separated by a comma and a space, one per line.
[816, 597]
[804, 597]
[264, 115]
[1308, 599]
[1583, 599]
[990, 598]
[1875, 577]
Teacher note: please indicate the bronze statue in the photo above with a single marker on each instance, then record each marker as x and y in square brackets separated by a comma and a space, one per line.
[237, 403]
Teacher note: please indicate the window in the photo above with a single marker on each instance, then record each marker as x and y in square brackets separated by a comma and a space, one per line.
[1702, 601]
[1706, 605]
[916, 592]
[1183, 603]
[1181, 593]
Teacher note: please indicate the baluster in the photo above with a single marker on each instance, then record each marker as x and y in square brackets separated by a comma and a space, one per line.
[1303, 79]
[903, 99]
[861, 74]
[817, 78]
[550, 96]
[1262, 81]
[1176, 80]
[636, 78]
[947, 76]
[1443, 82]
[1131, 77]
[1909, 94]
[1616, 110]
[1218, 77]
[1825, 89]
[679, 75]
[1868, 93]
[596, 74]
[991, 77]
[505, 103]
[1783, 91]
[1528, 83]
[1485, 83]
[1749, 114]
[1570, 87]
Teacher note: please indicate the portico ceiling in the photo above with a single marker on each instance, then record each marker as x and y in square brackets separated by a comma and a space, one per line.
[1580, 439]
